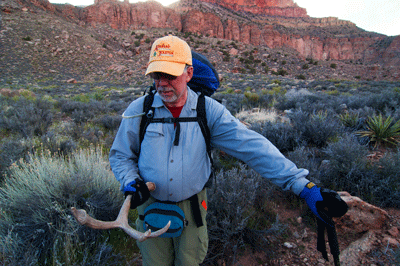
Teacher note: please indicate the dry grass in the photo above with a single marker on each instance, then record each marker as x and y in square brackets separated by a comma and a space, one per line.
[257, 115]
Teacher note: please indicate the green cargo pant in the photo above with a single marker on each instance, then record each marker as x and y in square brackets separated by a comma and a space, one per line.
[188, 249]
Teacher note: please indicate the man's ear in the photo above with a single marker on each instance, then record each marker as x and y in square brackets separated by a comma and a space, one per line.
[189, 74]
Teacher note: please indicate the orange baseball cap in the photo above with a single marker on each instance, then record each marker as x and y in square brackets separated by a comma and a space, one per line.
[170, 55]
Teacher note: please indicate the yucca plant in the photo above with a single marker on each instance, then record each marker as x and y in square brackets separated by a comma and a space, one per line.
[382, 131]
[349, 119]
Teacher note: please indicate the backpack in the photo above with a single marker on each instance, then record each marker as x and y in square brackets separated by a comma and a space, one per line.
[205, 78]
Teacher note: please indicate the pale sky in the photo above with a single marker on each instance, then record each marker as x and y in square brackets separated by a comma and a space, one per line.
[381, 16]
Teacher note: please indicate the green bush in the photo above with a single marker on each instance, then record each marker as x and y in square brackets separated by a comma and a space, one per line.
[280, 72]
[252, 96]
[301, 76]
[35, 204]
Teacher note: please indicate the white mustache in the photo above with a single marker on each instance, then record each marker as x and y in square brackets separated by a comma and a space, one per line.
[163, 89]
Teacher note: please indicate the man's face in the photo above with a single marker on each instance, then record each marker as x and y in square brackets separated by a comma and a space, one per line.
[173, 89]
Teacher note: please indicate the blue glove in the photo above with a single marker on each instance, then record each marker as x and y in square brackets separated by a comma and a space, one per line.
[139, 191]
[312, 195]
[130, 188]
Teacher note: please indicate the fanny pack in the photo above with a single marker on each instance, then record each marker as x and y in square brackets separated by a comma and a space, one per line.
[158, 214]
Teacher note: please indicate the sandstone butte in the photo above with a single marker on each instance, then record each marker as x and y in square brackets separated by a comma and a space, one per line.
[273, 23]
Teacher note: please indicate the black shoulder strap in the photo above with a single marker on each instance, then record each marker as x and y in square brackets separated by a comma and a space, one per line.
[201, 118]
[201, 114]
[148, 114]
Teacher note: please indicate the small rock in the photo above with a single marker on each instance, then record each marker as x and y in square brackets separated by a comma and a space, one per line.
[289, 245]
[394, 232]
[390, 241]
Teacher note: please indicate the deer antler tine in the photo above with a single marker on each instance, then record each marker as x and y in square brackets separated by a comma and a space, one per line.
[121, 222]
[84, 219]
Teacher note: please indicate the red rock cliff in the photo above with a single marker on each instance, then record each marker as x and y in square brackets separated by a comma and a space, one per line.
[123, 15]
[320, 39]
[283, 8]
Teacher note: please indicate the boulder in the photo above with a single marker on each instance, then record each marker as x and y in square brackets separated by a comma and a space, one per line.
[361, 216]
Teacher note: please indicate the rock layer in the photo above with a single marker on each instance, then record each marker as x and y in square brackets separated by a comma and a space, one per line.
[316, 38]
[283, 8]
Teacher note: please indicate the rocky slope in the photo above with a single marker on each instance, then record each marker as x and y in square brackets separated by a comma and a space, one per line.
[40, 41]
[274, 24]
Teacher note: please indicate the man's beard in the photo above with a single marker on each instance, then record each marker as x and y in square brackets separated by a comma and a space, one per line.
[167, 98]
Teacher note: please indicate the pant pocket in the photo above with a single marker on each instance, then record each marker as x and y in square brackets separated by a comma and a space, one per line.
[203, 243]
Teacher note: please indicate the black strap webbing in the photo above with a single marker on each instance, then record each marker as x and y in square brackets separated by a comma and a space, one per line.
[194, 202]
[333, 242]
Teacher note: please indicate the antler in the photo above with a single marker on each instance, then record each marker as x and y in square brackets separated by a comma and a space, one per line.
[121, 222]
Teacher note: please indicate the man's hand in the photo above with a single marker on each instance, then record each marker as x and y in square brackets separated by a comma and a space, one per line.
[139, 191]
[324, 203]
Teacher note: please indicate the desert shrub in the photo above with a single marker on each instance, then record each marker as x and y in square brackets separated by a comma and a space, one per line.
[252, 96]
[27, 118]
[282, 135]
[11, 150]
[382, 131]
[35, 205]
[386, 191]
[346, 167]
[81, 112]
[381, 102]
[91, 135]
[308, 159]
[232, 212]
[301, 101]
[384, 100]
[315, 129]
[233, 102]
[118, 106]
[266, 100]
[110, 122]
[301, 76]
[58, 145]
[349, 169]
[280, 72]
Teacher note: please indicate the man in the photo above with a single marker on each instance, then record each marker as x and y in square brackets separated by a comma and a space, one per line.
[180, 169]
